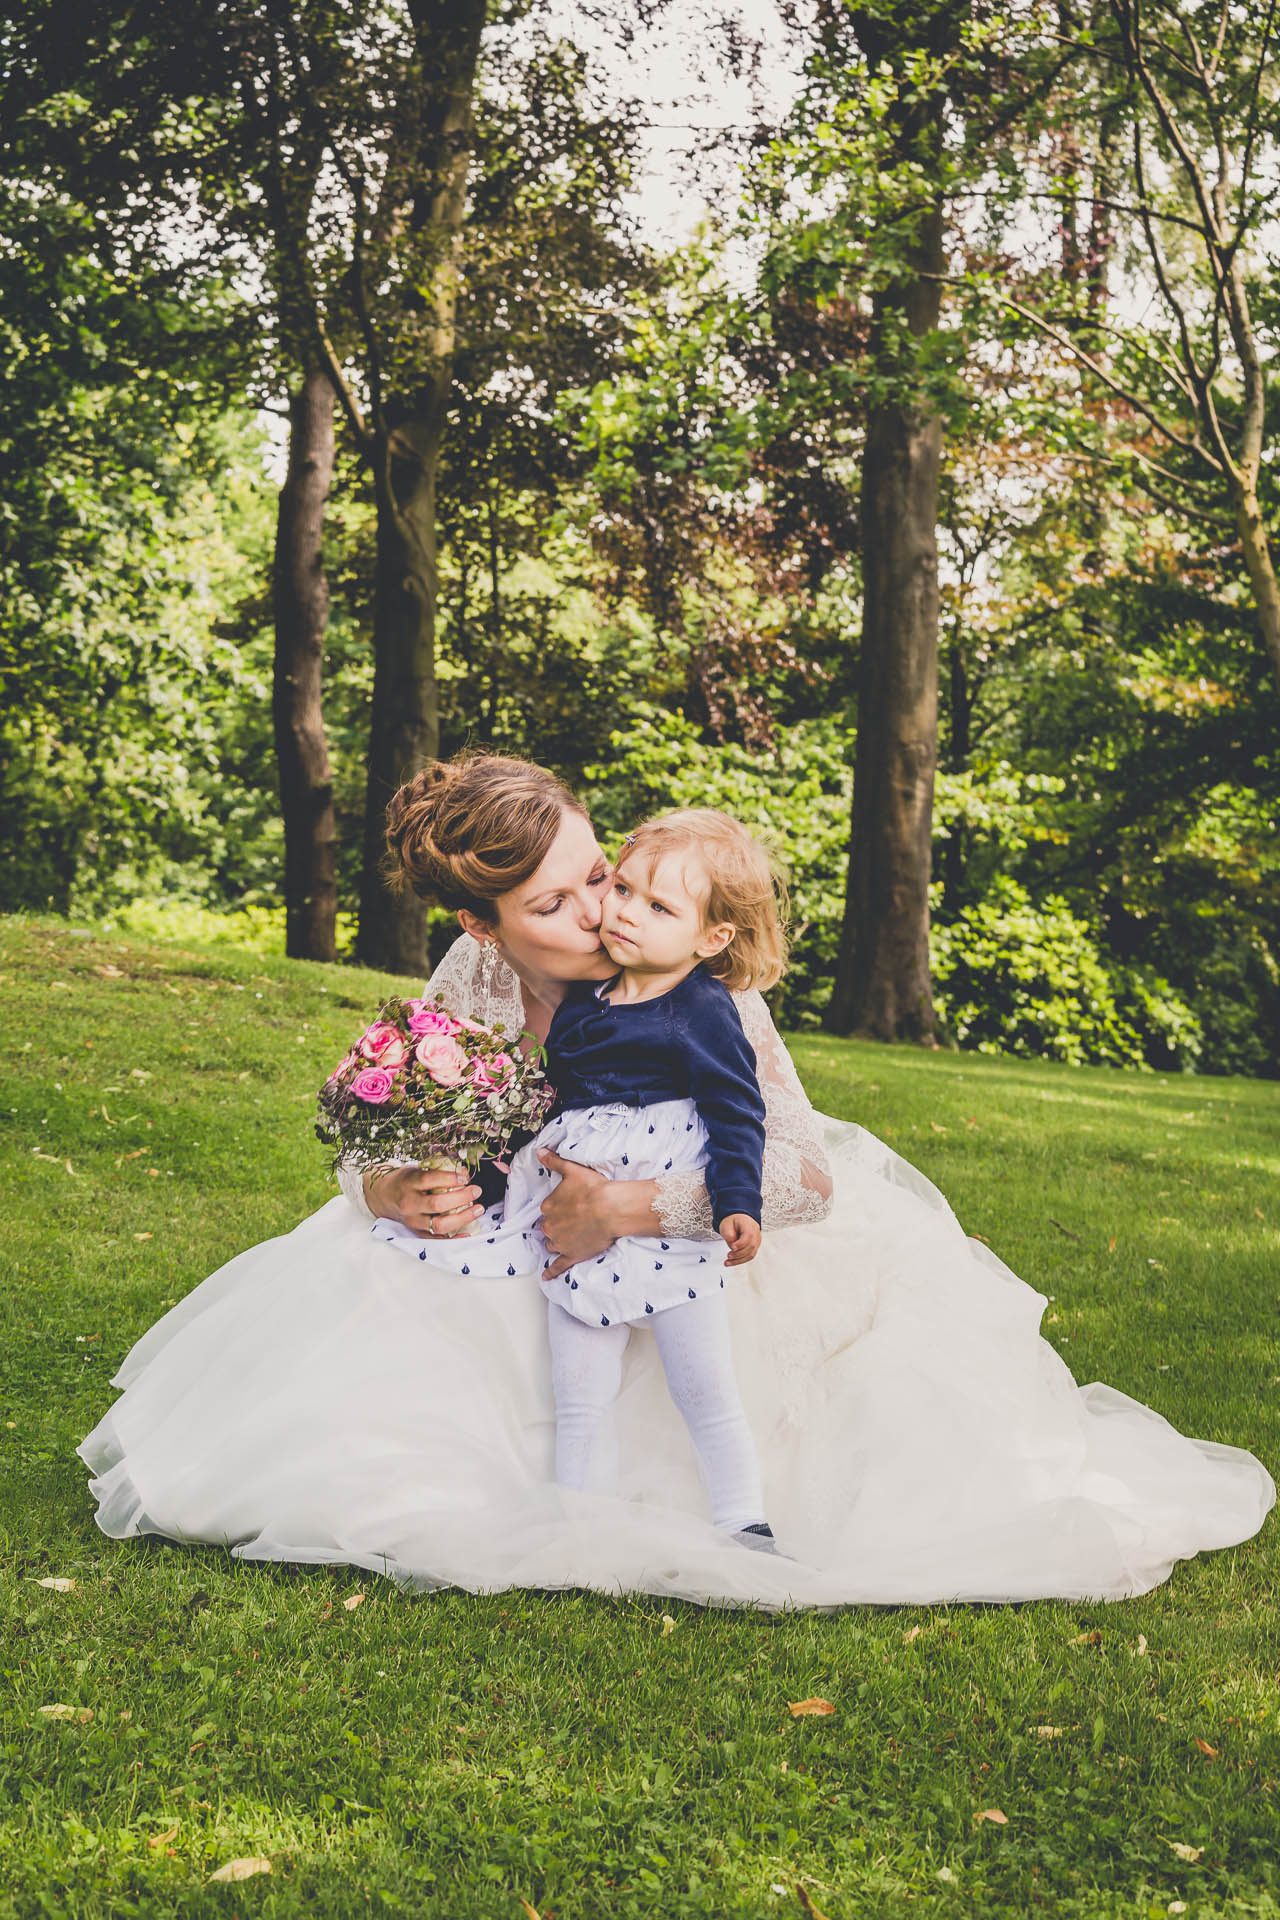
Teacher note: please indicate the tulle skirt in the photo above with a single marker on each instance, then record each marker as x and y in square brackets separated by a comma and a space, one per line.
[322, 1399]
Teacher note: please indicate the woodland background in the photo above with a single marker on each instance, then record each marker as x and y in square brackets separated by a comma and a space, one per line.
[931, 475]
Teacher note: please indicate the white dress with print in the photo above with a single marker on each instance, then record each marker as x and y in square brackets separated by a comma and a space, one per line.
[639, 1277]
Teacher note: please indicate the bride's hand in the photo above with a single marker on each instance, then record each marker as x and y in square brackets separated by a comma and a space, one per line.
[585, 1212]
[435, 1203]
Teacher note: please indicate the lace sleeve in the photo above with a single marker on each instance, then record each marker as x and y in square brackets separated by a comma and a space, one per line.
[797, 1176]
[471, 991]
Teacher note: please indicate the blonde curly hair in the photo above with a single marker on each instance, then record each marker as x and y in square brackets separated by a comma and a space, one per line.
[744, 885]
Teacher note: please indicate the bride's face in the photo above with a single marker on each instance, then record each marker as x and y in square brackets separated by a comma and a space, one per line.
[551, 924]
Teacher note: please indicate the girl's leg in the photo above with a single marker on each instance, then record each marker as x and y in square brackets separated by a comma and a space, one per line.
[693, 1342]
[586, 1372]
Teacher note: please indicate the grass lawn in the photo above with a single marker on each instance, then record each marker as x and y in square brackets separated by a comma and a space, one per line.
[455, 1756]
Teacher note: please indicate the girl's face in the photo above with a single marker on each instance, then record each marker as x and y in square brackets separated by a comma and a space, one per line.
[550, 925]
[655, 914]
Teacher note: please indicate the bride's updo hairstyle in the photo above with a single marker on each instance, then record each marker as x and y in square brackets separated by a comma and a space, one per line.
[467, 830]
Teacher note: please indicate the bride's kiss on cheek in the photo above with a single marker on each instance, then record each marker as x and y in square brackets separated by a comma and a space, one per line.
[322, 1398]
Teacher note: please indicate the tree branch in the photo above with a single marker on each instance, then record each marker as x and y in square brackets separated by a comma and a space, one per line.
[1194, 444]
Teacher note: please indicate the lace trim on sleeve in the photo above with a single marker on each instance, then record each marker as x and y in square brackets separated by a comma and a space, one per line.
[351, 1183]
[797, 1175]
[468, 989]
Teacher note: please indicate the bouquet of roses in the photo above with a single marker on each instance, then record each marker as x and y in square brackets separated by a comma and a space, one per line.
[420, 1085]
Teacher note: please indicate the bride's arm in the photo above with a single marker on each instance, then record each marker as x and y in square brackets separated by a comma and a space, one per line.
[797, 1177]
[436, 1201]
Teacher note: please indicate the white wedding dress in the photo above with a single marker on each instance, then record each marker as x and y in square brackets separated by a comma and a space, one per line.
[321, 1398]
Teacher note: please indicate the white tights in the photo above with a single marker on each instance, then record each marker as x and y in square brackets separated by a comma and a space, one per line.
[693, 1344]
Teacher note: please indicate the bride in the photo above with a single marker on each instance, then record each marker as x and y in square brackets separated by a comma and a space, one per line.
[322, 1399]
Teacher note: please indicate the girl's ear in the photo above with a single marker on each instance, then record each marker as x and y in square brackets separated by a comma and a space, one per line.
[478, 929]
[714, 940]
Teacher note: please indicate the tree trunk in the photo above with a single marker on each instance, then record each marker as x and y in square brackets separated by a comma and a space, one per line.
[882, 985]
[1260, 568]
[404, 729]
[301, 604]
[405, 447]
[959, 746]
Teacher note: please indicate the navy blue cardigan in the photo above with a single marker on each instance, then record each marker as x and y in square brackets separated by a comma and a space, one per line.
[686, 1044]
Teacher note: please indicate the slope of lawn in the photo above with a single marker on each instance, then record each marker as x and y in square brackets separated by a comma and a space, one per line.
[457, 1756]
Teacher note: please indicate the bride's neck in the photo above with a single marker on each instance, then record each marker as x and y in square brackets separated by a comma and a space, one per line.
[541, 995]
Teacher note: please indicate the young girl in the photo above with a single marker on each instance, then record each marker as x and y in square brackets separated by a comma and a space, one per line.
[654, 1074]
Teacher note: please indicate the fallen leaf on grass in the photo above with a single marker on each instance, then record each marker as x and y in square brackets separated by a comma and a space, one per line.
[1184, 1852]
[352, 1601]
[912, 1633]
[1091, 1639]
[110, 973]
[1142, 1646]
[57, 1583]
[808, 1904]
[668, 1624]
[144, 1236]
[1111, 1244]
[61, 1711]
[802, 1709]
[530, 1912]
[994, 1815]
[1210, 1753]
[1049, 1733]
[936, 1128]
[56, 1161]
[163, 1839]
[242, 1869]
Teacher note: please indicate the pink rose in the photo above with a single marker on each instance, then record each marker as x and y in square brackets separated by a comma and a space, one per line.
[492, 1076]
[372, 1085]
[383, 1044]
[424, 1018]
[442, 1057]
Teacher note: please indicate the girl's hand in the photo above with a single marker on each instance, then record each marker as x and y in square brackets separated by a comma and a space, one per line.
[741, 1234]
[435, 1203]
[585, 1212]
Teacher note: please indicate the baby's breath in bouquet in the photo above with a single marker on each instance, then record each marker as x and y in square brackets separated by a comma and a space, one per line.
[420, 1085]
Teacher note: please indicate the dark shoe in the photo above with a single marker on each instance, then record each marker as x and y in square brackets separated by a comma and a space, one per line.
[759, 1538]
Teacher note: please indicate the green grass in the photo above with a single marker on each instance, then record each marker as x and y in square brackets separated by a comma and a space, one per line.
[448, 1755]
